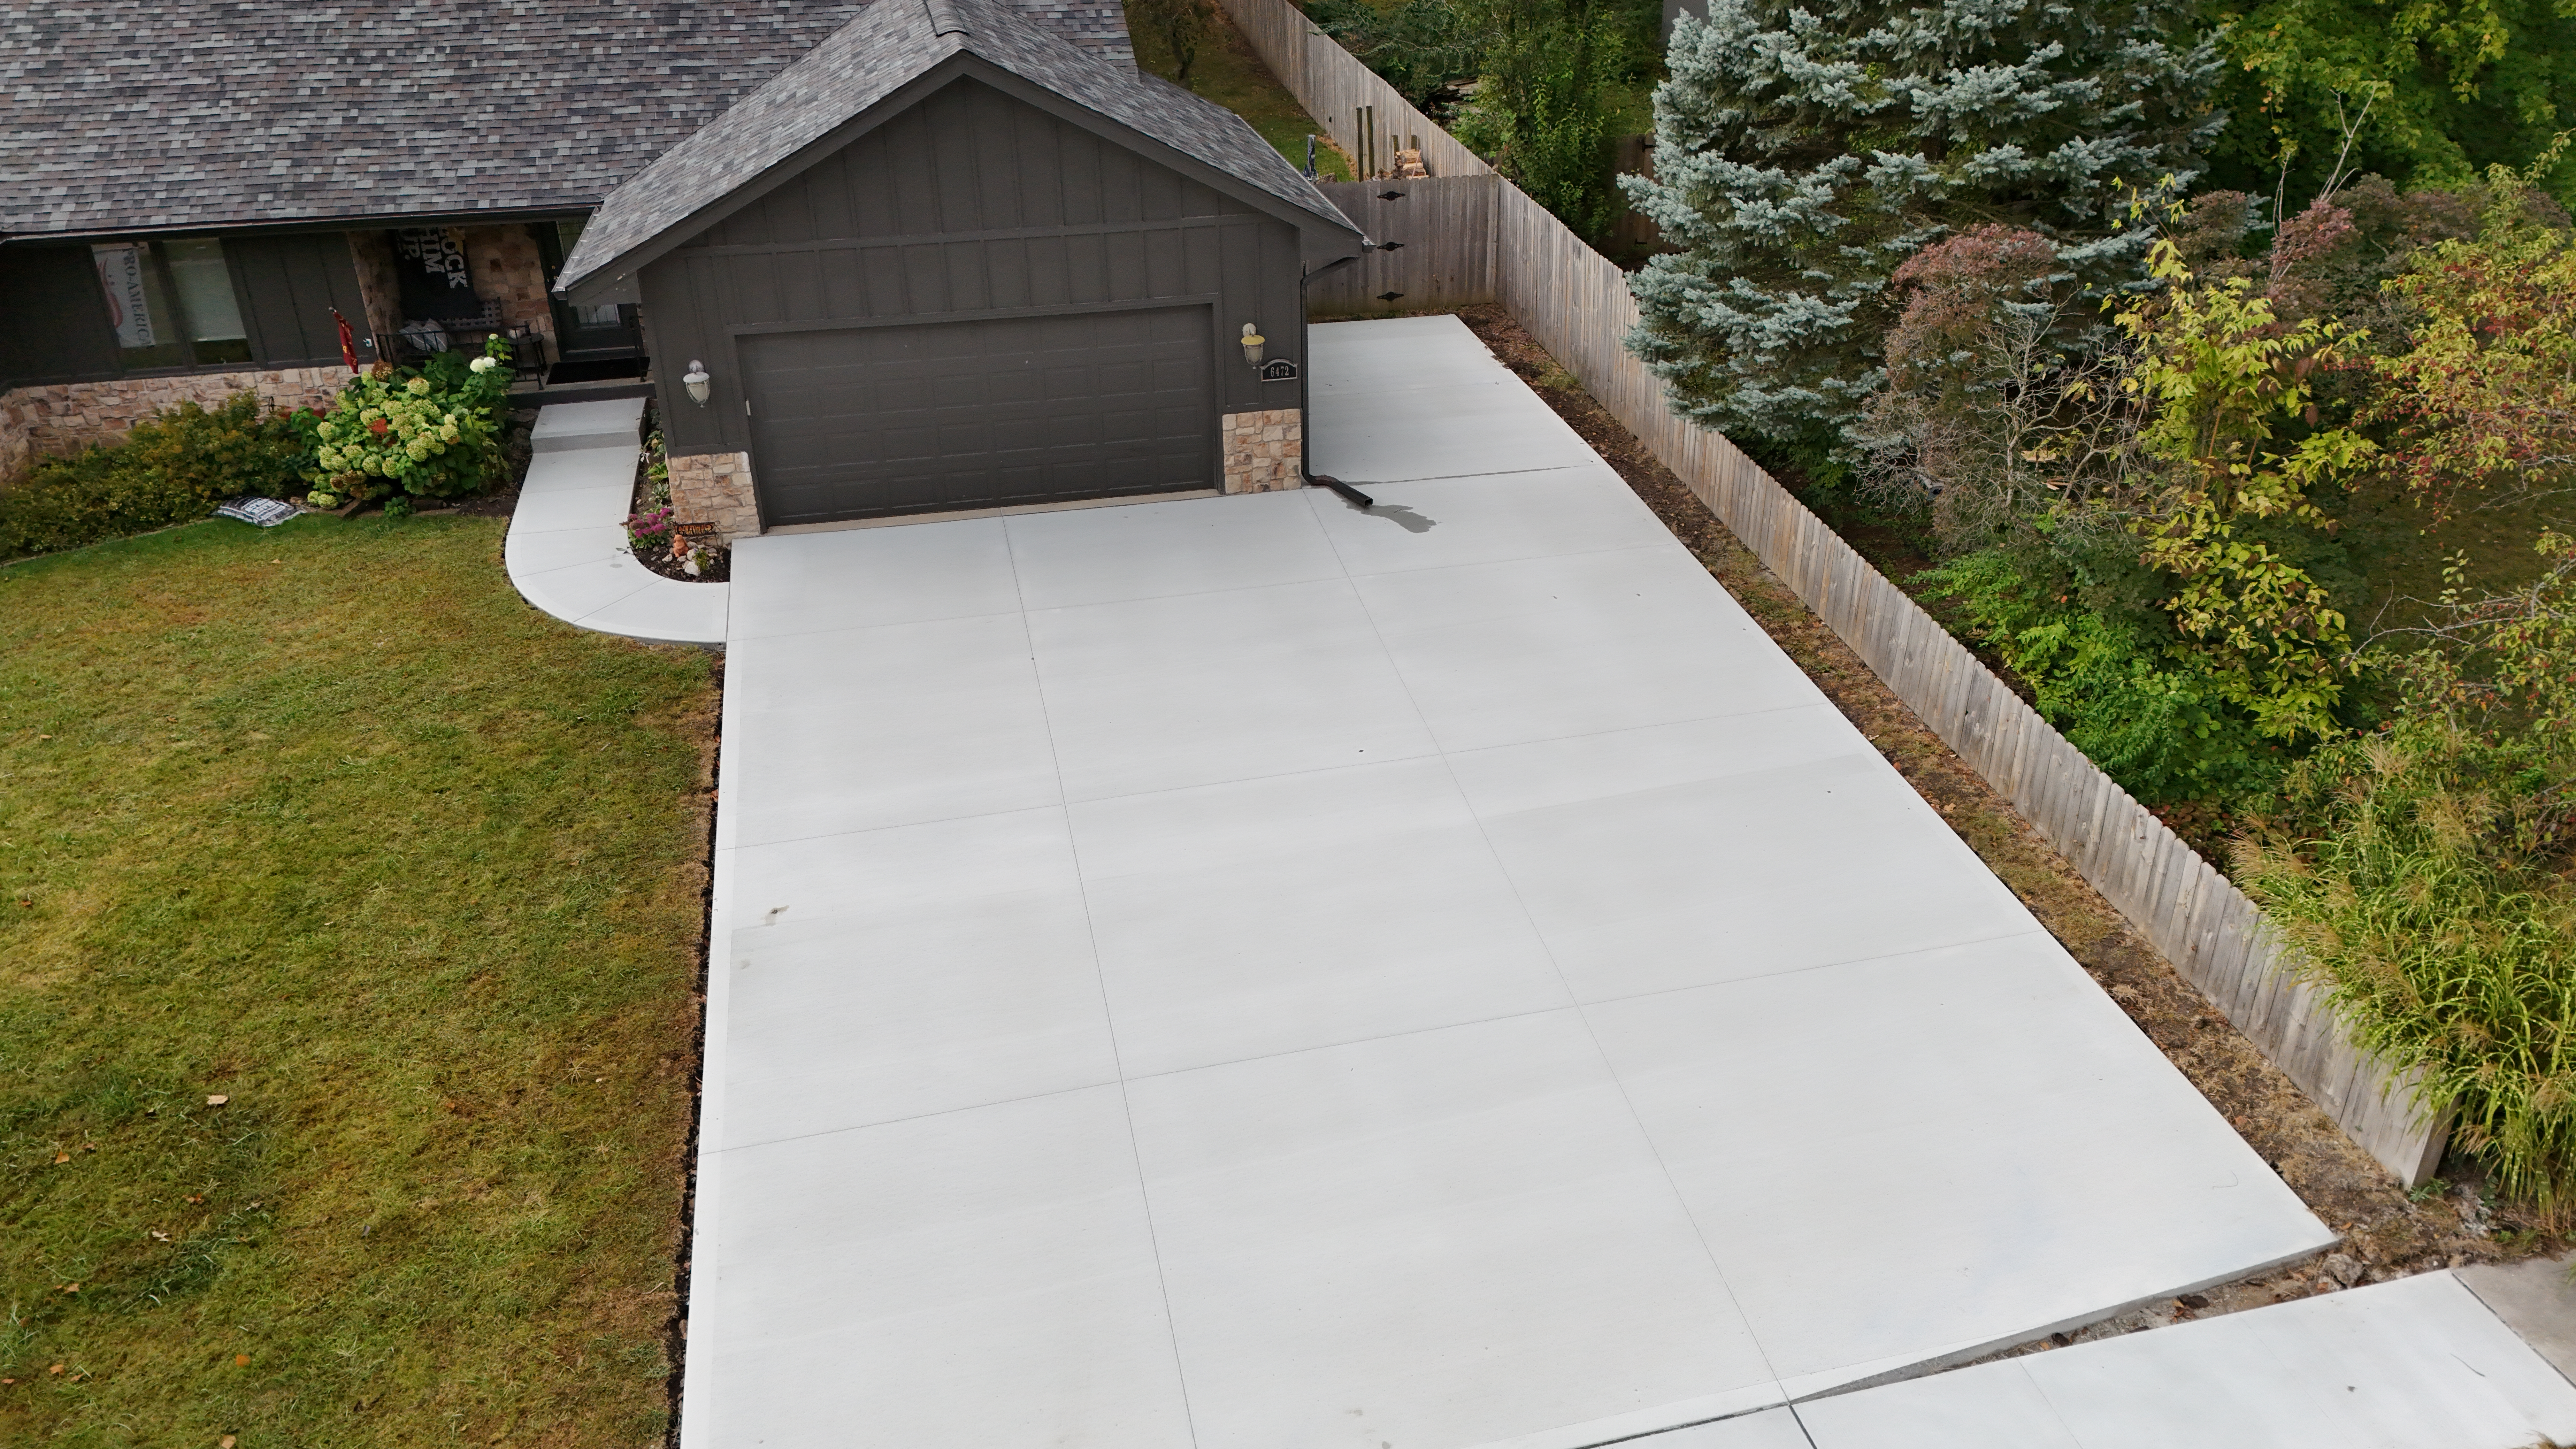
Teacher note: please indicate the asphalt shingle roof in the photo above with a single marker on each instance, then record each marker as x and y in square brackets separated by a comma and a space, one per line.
[128, 115]
[867, 60]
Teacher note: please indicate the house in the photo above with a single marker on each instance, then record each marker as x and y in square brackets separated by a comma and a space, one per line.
[190, 188]
[948, 261]
[784, 182]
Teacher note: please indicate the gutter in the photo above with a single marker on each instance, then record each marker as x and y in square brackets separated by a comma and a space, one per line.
[1305, 409]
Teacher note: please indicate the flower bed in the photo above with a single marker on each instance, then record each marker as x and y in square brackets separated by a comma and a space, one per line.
[692, 553]
[405, 434]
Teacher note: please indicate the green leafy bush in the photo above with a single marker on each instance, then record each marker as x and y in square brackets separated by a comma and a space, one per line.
[173, 467]
[2109, 679]
[433, 432]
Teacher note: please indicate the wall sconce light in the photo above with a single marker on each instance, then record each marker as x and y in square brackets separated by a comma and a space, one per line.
[1252, 341]
[696, 380]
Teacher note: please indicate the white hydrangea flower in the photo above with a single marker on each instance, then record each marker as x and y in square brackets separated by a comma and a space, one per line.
[484, 364]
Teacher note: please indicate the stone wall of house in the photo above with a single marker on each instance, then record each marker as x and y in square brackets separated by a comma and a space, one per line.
[715, 488]
[508, 269]
[372, 252]
[63, 417]
[1262, 450]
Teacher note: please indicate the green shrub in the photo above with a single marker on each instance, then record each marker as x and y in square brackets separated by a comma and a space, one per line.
[2424, 896]
[2117, 689]
[173, 467]
[431, 432]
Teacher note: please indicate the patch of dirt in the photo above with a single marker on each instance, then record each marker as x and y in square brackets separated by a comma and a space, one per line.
[2386, 1234]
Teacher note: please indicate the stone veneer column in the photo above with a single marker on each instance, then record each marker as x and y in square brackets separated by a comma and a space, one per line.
[63, 417]
[715, 488]
[1262, 450]
[507, 269]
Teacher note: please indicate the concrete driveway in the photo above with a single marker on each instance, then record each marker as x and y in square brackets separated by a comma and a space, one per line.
[1252, 974]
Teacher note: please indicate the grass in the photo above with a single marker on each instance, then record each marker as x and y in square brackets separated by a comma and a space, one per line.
[1230, 74]
[325, 822]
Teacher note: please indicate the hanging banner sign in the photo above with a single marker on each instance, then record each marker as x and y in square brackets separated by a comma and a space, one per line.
[120, 272]
[440, 251]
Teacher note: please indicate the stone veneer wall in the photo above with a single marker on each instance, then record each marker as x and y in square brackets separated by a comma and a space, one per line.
[1262, 450]
[507, 269]
[715, 488]
[63, 417]
[372, 253]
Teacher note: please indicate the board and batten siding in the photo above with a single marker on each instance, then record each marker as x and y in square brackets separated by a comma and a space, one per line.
[289, 287]
[970, 204]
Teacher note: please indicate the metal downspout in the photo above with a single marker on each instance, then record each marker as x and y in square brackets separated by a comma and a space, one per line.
[1305, 408]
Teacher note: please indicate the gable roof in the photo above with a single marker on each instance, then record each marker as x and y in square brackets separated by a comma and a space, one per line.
[868, 60]
[136, 115]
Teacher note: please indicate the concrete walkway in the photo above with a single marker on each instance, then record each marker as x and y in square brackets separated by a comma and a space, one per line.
[566, 550]
[1252, 974]
[2416, 1364]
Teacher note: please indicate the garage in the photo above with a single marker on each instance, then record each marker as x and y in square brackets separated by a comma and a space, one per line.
[872, 422]
[958, 258]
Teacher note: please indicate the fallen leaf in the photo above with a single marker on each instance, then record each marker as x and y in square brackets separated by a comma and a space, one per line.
[58, 1368]
[160, 1236]
[225, 1442]
[71, 1287]
[61, 1157]
[241, 1360]
[196, 1197]
[217, 1101]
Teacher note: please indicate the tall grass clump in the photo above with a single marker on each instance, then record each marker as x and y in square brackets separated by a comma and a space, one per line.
[2421, 894]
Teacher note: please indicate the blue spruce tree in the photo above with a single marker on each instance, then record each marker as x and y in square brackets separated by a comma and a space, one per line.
[1802, 155]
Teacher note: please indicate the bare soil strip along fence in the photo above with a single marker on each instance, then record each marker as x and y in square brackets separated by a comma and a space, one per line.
[1575, 303]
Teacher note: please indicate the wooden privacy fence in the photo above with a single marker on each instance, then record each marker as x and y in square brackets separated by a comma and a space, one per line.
[1443, 228]
[1575, 303]
[1356, 108]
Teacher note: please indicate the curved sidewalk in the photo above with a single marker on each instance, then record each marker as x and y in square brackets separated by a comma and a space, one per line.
[566, 551]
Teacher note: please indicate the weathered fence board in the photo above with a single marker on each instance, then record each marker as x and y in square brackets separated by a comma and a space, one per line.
[1575, 303]
[1444, 230]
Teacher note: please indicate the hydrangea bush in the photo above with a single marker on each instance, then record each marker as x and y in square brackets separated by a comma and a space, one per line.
[433, 432]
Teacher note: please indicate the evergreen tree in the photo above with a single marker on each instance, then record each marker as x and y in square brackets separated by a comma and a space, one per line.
[1802, 155]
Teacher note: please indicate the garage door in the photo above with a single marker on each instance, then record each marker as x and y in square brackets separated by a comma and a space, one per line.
[874, 421]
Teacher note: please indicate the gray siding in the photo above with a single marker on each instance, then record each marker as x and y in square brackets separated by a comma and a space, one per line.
[288, 286]
[54, 325]
[53, 320]
[969, 203]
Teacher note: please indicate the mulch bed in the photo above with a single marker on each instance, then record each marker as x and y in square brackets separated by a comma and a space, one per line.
[2387, 1234]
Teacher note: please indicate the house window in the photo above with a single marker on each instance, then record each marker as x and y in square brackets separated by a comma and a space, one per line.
[172, 304]
[205, 288]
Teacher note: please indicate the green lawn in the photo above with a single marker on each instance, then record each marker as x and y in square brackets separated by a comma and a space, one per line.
[1228, 73]
[325, 821]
